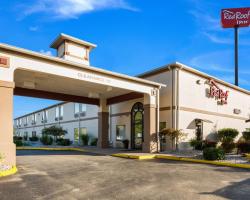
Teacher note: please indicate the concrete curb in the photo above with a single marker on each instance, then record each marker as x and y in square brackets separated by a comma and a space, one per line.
[8, 172]
[139, 157]
[225, 164]
[217, 163]
[51, 149]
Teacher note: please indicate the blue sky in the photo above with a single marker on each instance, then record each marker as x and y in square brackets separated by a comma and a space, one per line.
[133, 36]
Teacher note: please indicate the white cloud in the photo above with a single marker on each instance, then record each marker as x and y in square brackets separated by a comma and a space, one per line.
[212, 61]
[48, 53]
[221, 64]
[66, 9]
[217, 39]
[33, 28]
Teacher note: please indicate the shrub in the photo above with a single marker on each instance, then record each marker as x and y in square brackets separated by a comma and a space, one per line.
[94, 142]
[207, 144]
[212, 153]
[18, 143]
[55, 131]
[227, 136]
[17, 138]
[33, 138]
[246, 135]
[85, 139]
[174, 134]
[196, 144]
[243, 146]
[64, 142]
[46, 140]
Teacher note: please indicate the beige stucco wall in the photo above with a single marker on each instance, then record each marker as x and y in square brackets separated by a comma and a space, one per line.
[166, 100]
[195, 103]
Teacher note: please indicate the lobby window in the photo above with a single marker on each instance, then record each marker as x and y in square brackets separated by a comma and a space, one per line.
[26, 135]
[83, 131]
[120, 132]
[33, 133]
[76, 135]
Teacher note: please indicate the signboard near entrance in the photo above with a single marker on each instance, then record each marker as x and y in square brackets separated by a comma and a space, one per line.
[235, 17]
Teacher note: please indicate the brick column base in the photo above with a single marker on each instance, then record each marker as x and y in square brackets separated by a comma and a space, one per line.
[103, 129]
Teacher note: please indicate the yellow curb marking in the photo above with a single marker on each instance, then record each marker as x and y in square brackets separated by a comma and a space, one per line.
[8, 172]
[139, 157]
[50, 149]
[245, 166]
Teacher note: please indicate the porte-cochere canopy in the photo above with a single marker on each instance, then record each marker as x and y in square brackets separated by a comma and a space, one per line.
[69, 77]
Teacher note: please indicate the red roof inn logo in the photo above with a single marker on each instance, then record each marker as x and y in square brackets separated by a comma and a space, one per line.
[218, 93]
[235, 17]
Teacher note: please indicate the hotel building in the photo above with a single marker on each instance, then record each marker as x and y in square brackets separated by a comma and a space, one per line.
[193, 101]
[112, 106]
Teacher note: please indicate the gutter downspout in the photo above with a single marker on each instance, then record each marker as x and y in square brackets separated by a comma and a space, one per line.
[110, 126]
[177, 99]
[158, 118]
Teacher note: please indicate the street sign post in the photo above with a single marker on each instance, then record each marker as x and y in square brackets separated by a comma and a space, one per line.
[235, 18]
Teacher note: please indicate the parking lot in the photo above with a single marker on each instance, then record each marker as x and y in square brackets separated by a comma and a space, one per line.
[75, 175]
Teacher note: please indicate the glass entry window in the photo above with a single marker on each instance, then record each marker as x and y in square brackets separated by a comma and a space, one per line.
[137, 126]
[83, 131]
[76, 135]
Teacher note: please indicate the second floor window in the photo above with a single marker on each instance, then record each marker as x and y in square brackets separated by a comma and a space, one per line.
[77, 108]
[19, 122]
[80, 108]
[44, 115]
[26, 120]
[34, 118]
[59, 112]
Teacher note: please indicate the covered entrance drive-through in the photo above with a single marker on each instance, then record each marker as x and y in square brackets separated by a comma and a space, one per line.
[69, 77]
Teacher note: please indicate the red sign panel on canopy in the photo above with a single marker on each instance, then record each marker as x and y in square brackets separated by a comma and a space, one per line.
[235, 17]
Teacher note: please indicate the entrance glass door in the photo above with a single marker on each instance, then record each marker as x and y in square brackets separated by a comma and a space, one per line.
[137, 126]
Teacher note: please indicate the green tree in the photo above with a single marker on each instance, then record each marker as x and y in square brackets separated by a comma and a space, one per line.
[174, 134]
[55, 131]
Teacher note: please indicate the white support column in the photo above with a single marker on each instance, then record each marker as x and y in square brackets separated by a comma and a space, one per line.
[7, 147]
[150, 143]
[103, 124]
